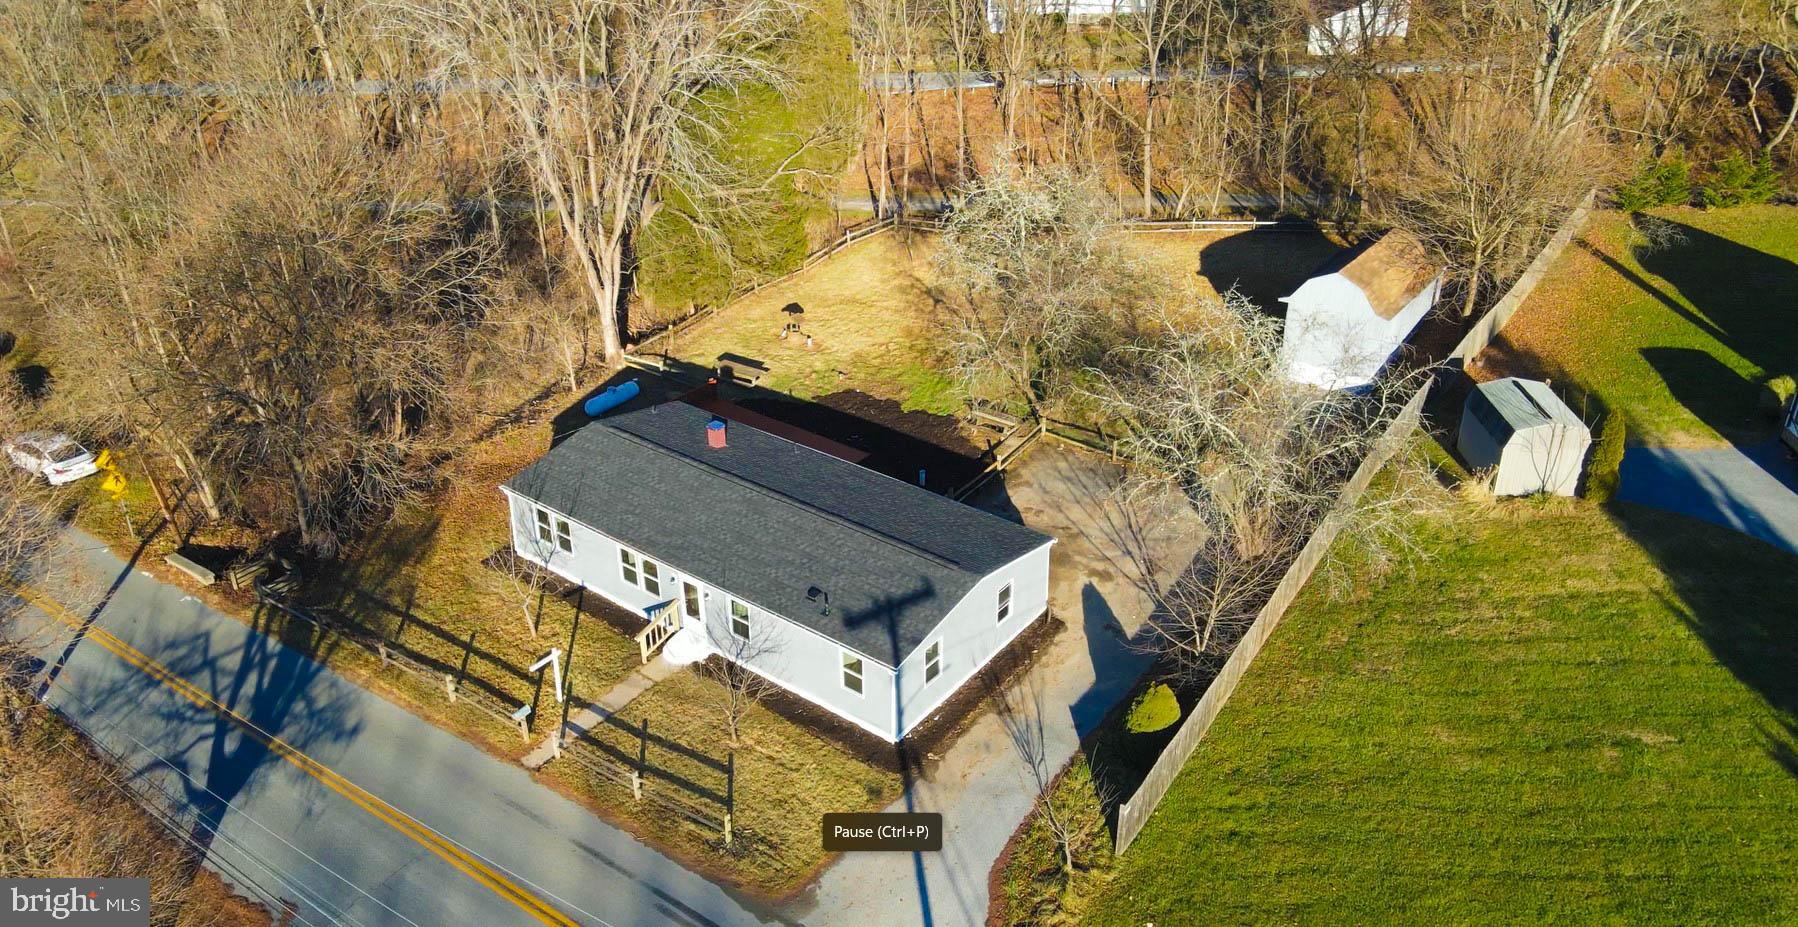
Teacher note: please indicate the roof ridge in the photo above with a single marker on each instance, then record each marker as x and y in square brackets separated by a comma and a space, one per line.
[779, 496]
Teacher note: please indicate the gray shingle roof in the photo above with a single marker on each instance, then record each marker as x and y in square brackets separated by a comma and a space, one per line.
[766, 519]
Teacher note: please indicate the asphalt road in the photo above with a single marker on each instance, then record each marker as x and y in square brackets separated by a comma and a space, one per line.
[1753, 489]
[359, 813]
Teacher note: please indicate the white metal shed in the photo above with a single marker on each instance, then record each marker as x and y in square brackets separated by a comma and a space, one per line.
[1523, 431]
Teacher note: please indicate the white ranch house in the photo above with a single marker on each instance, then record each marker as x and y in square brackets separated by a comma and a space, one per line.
[1348, 320]
[1341, 27]
[865, 595]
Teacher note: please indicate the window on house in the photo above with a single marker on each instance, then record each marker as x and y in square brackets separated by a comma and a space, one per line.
[852, 672]
[739, 619]
[1004, 602]
[933, 661]
[640, 571]
[554, 530]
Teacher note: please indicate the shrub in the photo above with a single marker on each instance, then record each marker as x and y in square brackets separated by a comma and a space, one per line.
[1607, 459]
[1153, 710]
[1667, 182]
[1738, 181]
[1776, 394]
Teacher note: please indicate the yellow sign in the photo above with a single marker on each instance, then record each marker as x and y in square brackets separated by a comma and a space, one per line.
[106, 461]
[114, 483]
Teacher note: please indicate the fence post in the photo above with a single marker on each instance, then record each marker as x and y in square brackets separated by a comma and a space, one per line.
[642, 759]
[730, 792]
[450, 682]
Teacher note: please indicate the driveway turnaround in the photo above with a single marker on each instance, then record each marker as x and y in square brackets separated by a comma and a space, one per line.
[310, 789]
[1753, 489]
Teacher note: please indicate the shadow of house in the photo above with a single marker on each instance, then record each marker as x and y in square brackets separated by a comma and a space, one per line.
[1709, 389]
[1265, 265]
[1739, 295]
[899, 442]
[655, 388]
[1751, 627]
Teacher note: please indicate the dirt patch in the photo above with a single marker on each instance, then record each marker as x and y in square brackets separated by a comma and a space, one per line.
[899, 443]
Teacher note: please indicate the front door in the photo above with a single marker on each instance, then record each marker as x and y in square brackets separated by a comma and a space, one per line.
[689, 600]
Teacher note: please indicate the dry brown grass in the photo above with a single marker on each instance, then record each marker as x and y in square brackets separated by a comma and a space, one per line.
[873, 318]
[62, 816]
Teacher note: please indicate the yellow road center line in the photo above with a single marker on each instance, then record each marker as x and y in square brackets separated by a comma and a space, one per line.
[417, 831]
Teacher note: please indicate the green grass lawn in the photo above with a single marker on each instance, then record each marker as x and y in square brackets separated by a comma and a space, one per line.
[1679, 336]
[1565, 716]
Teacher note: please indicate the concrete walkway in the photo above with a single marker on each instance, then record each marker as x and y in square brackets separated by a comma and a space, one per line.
[1753, 489]
[609, 704]
[296, 832]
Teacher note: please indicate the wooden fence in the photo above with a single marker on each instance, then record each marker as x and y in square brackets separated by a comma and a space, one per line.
[459, 681]
[709, 806]
[1134, 812]
[1495, 318]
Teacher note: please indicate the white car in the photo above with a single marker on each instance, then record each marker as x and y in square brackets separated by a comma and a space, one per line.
[57, 458]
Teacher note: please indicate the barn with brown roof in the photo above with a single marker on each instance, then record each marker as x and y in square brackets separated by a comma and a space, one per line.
[1347, 321]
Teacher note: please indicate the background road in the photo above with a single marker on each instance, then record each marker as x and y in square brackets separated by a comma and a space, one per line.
[311, 843]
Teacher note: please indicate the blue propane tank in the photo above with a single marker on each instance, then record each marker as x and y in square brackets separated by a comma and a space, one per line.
[612, 398]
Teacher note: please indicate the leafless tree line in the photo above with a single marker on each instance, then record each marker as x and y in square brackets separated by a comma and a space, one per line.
[295, 302]
[1226, 95]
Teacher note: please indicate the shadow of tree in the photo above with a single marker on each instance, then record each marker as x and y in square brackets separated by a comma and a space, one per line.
[1741, 598]
[206, 756]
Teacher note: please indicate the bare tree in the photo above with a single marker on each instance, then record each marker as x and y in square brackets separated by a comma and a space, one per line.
[1199, 156]
[615, 106]
[1577, 41]
[963, 25]
[880, 33]
[1021, 34]
[1483, 183]
[1036, 279]
[1206, 411]
[736, 669]
[27, 519]
[1160, 32]
[523, 581]
[1063, 812]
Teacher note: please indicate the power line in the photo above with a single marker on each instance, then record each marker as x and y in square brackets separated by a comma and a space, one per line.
[315, 898]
